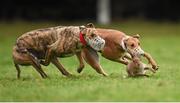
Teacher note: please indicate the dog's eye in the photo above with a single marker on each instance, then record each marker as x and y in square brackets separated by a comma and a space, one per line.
[132, 45]
[138, 43]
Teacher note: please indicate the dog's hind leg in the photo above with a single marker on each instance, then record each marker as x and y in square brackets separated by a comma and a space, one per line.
[18, 70]
[48, 55]
[26, 59]
[35, 63]
[39, 70]
[81, 64]
[60, 67]
[92, 58]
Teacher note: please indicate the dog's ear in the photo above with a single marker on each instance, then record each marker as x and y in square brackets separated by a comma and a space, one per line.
[82, 28]
[136, 36]
[90, 25]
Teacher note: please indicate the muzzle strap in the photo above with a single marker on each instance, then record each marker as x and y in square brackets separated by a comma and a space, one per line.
[82, 40]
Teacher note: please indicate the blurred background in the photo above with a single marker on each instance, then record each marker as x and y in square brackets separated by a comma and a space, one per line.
[157, 22]
[100, 11]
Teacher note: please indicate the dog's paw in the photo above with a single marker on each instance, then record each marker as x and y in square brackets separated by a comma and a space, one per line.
[80, 68]
[155, 67]
[105, 74]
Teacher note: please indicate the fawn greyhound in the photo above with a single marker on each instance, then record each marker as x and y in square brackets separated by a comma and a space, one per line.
[43, 46]
[117, 45]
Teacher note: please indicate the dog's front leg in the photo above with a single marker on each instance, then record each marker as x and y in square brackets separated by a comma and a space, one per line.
[60, 67]
[140, 75]
[81, 63]
[122, 60]
[128, 56]
[92, 58]
[151, 61]
[149, 68]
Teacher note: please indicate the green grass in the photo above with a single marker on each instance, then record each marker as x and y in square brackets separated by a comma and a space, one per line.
[160, 39]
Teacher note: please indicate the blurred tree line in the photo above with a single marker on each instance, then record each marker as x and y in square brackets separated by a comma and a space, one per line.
[86, 9]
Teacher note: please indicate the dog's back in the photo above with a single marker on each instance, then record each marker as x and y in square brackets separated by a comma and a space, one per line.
[36, 41]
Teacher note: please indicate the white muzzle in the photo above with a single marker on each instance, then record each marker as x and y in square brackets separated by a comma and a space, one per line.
[96, 43]
[138, 51]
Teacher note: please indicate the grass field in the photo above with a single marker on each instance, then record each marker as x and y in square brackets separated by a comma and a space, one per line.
[160, 39]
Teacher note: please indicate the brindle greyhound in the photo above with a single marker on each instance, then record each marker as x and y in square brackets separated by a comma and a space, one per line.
[118, 46]
[45, 45]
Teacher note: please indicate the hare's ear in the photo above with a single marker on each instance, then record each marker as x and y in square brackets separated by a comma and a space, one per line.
[82, 28]
[136, 36]
[90, 25]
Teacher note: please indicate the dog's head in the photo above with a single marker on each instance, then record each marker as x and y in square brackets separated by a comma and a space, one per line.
[91, 37]
[132, 45]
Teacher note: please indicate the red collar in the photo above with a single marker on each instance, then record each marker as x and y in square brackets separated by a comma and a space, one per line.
[83, 41]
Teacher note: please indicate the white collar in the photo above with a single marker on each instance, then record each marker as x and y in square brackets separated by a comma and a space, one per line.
[123, 44]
